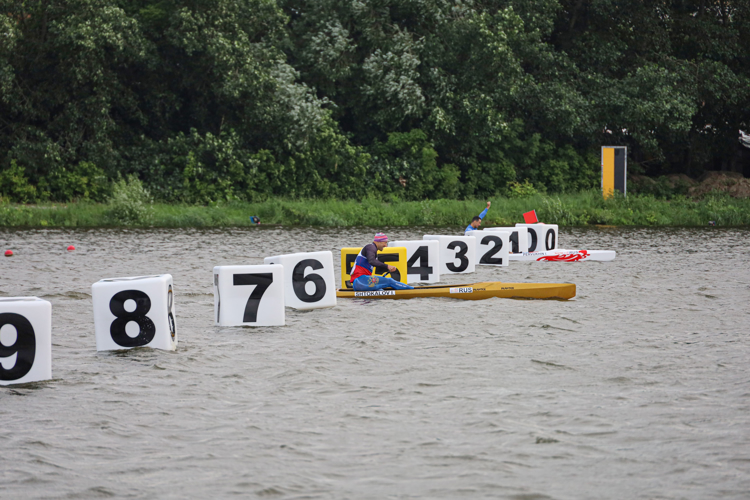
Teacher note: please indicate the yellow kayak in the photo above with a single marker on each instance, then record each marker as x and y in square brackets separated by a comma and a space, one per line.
[472, 291]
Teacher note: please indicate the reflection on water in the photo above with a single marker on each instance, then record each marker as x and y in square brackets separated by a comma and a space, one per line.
[638, 388]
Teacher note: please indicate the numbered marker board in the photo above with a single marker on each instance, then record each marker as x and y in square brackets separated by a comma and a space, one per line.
[25, 340]
[518, 239]
[458, 254]
[422, 260]
[134, 312]
[492, 247]
[249, 295]
[309, 281]
[395, 256]
[542, 237]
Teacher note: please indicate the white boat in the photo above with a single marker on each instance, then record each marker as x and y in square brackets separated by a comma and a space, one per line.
[560, 255]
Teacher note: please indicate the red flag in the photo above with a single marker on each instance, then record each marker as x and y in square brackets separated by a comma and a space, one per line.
[530, 217]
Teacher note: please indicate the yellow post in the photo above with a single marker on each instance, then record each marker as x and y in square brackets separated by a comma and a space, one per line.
[608, 171]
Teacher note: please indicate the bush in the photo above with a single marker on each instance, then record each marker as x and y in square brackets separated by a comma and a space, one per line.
[483, 179]
[15, 185]
[204, 168]
[130, 203]
[84, 181]
[405, 166]
[557, 169]
[518, 190]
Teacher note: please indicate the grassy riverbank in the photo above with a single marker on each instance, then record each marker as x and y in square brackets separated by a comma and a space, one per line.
[579, 209]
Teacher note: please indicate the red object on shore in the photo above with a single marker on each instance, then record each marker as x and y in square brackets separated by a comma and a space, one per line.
[71, 248]
[530, 217]
[9, 253]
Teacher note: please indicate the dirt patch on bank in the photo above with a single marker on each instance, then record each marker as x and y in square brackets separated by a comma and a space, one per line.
[675, 180]
[732, 183]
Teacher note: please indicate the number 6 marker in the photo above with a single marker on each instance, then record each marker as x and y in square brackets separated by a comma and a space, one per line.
[309, 281]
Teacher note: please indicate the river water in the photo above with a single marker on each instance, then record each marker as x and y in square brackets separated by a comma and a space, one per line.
[637, 388]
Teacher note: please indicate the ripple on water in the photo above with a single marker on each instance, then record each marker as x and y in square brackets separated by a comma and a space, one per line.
[637, 388]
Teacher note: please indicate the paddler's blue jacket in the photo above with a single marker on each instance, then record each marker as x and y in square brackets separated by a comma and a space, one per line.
[481, 216]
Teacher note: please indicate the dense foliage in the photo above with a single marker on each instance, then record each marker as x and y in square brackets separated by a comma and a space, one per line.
[391, 99]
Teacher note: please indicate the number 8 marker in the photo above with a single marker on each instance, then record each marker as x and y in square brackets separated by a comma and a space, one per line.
[134, 312]
[146, 327]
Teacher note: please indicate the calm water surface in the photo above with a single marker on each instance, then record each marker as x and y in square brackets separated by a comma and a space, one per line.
[638, 388]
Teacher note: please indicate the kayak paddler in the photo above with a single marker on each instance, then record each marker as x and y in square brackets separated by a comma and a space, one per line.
[367, 260]
[477, 221]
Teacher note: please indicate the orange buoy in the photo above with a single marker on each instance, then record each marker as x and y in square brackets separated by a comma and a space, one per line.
[71, 248]
[9, 253]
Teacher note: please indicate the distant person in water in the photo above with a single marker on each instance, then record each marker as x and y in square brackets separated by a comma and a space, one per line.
[255, 220]
[367, 260]
[477, 221]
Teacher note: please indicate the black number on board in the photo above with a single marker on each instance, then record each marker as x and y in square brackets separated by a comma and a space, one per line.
[533, 238]
[299, 280]
[170, 316]
[488, 258]
[147, 329]
[463, 248]
[24, 347]
[262, 282]
[424, 270]
[385, 258]
[549, 239]
[350, 258]
[513, 239]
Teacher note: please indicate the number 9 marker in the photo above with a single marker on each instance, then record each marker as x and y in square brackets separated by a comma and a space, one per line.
[25, 340]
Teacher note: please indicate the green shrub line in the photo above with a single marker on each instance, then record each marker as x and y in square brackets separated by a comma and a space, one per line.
[244, 100]
[134, 208]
